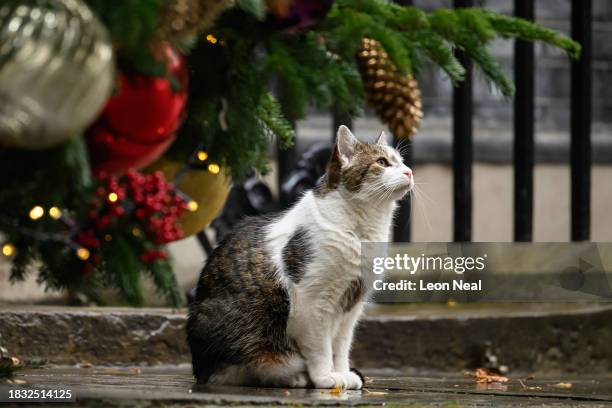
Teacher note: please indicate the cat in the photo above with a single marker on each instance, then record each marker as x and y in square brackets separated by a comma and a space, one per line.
[278, 300]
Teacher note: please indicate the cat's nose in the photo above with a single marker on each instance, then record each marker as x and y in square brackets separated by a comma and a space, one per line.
[408, 173]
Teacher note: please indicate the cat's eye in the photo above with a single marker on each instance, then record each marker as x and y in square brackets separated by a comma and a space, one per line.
[383, 162]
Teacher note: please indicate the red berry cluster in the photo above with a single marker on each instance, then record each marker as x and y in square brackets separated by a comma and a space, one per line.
[140, 203]
[157, 206]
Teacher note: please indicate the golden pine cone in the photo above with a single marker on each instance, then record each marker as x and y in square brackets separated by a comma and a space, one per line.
[395, 97]
[182, 19]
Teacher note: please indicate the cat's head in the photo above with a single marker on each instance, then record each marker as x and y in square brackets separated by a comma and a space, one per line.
[367, 171]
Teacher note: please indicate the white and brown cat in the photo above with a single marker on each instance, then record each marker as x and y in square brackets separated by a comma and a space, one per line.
[278, 300]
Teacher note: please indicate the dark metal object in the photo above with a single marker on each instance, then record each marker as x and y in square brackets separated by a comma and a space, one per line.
[286, 159]
[401, 228]
[285, 156]
[462, 148]
[306, 173]
[250, 198]
[204, 242]
[340, 118]
[523, 129]
[581, 122]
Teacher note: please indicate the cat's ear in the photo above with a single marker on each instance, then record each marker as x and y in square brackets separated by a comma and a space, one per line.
[345, 143]
[382, 139]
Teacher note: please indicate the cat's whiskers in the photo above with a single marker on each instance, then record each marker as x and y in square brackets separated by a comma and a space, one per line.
[375, 189]
[425, 196]
[420, 206]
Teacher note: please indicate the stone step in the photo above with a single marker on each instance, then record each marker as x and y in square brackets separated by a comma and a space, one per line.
[543, 338]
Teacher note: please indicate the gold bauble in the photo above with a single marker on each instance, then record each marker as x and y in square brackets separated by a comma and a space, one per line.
[394, 96]
[209, 191]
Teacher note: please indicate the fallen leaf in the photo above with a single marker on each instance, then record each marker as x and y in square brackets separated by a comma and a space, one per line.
[368, 380]
[86, 365]
[451, 303]
[19, 382]
[287, 393]
[484, 376]
[135, 370]
[375, 392]
[562, 385]
[337, 390]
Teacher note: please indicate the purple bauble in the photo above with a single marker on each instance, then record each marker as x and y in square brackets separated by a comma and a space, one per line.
[302, 14]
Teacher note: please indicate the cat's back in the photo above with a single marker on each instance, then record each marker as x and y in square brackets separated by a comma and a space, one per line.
[239, 265]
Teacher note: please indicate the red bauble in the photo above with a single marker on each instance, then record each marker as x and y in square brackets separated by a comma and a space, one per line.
[139, 122]
[116, 154]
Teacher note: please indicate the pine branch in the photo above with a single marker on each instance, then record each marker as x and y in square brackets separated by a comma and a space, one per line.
[124, 266]
[271, 116]
[510, 27]
[165, 281]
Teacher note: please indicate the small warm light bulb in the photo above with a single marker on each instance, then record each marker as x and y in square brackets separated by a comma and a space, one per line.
[192, 206]
[202, 155]
[55, 213]
[113, 197]
[108, 237]
[211, 39]
[82, 254]
[37, 212]
[8, 249]
[136, 231]
[214, 168]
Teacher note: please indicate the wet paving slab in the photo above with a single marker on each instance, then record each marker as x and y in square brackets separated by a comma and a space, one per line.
[174, 386]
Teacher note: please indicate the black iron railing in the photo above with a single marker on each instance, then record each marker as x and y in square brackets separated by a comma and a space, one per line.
[581, 122]
[524, 117]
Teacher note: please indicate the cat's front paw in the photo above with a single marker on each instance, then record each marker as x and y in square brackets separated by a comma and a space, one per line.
[353, 381]
[331, 380]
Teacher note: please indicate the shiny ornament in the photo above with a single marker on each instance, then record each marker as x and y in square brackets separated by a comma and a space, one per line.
[209, 192]
[139, 122]
[183, 19]
[56, 71]
[112, 153]
[394, 96]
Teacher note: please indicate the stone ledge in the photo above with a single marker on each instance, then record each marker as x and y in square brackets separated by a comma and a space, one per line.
[526, 337]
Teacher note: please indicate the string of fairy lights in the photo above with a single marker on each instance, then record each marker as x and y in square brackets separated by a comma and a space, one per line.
[198, 160]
